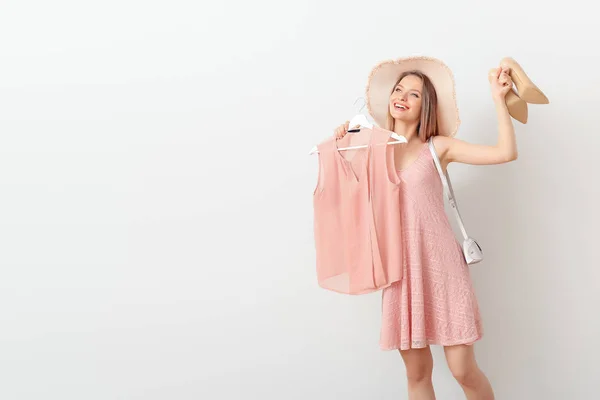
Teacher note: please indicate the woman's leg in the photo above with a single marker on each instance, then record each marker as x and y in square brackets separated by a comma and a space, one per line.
[419, 367]
[461, 360]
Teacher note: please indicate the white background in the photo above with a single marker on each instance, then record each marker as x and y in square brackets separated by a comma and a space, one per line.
[156, 212]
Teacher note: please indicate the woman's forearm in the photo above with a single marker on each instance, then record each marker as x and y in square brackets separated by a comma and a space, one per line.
[507, 141]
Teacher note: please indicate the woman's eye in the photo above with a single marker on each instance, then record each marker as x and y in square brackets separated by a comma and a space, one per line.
[397, 89]
[414, 94]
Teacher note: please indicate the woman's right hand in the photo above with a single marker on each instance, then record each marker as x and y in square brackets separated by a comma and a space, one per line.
[341, 130]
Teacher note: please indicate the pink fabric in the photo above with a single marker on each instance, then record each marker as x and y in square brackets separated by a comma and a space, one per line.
[435, 303]
[357, 225]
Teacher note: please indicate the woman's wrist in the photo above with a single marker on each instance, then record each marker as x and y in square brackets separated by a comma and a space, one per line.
[499, 102]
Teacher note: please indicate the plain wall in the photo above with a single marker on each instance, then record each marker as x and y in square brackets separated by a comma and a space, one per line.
[155, 197]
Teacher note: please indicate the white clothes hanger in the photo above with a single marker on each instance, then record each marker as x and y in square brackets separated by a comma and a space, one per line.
[361, 120]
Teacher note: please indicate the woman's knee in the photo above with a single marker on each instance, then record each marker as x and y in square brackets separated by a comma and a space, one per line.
[418, 363]
[465, 375]
[462, 364]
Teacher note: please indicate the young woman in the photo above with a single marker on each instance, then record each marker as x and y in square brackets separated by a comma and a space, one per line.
[435, 302]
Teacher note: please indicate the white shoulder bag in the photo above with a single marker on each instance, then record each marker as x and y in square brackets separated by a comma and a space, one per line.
[471, 249]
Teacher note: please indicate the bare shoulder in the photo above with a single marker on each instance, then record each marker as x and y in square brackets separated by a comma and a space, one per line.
[442, 144]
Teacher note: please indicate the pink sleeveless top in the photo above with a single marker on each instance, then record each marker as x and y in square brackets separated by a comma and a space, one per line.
[357, 224]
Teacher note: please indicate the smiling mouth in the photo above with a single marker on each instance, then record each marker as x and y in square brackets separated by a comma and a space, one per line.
[400, 107]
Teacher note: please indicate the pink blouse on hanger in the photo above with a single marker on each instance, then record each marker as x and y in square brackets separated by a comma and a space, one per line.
[357, 219]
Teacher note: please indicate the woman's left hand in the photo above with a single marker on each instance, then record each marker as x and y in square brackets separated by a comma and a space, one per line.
[500, 83]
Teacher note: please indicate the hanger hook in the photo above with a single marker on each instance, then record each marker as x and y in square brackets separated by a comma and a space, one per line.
[363, 105]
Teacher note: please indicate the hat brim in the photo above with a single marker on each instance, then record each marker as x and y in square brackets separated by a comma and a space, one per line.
[385, 74]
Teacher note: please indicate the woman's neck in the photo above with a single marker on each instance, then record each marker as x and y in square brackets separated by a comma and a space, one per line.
[407, 129]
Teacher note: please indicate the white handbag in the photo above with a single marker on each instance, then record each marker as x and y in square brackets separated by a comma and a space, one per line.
[471, 249]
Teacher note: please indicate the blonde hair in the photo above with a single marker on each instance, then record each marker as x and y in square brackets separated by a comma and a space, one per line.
[428, 126]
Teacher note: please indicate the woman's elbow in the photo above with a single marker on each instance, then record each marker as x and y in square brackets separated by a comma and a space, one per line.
[512, 156]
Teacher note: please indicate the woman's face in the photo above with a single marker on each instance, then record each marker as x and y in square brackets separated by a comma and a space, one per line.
[405, 100]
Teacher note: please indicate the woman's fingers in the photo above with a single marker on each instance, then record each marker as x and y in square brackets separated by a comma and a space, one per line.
[340, 131]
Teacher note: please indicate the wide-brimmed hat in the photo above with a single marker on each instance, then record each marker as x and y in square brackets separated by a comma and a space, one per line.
[385, 74]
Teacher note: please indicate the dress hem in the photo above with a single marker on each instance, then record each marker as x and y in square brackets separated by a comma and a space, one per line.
[435, 342]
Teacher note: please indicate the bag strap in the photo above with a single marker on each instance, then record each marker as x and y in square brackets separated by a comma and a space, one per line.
[448, 188]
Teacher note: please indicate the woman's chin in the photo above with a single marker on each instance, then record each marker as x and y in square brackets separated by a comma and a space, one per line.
[401, 116]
